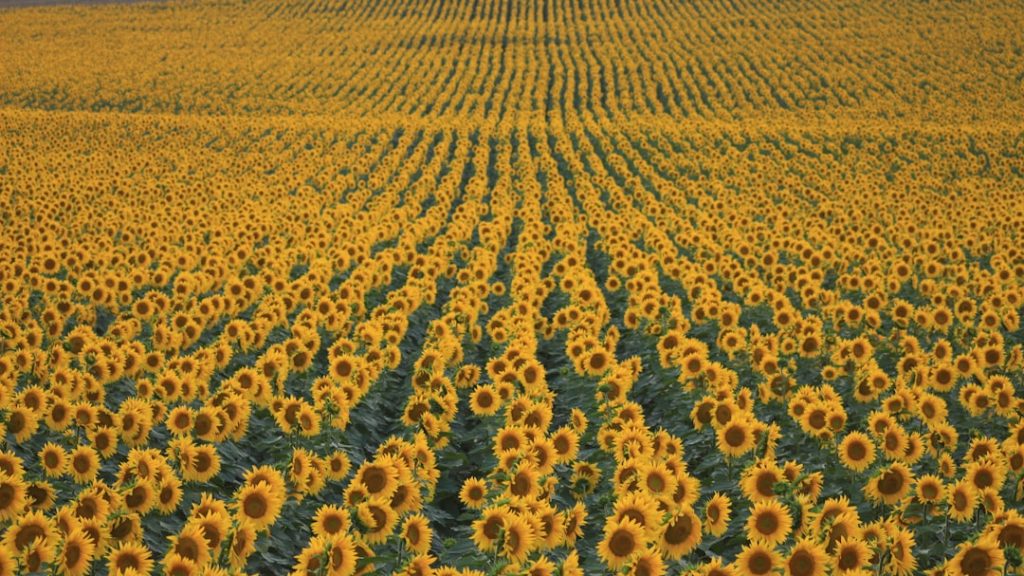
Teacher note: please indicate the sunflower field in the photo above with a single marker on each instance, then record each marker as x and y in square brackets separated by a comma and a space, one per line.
[512, 287]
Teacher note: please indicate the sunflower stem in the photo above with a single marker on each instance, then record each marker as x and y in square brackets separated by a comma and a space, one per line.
[945, 532]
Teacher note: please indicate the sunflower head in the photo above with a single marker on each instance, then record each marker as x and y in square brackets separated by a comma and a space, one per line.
[622, 540]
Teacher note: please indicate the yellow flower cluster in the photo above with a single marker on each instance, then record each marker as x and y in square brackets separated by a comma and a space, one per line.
[480, 287]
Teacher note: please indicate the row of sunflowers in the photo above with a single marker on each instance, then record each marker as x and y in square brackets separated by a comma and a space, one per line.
[521, 288]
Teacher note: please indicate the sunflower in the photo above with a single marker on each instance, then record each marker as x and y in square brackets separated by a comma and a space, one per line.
[641, 509]
[548, 525]
[962, 499]
[992, 502]
[354, 494]
[807, 558]
[930, 488]
[379, 477]
[84, 464]
[717, 513]
[735, 438]
[258, 505]
[539, 567]
[168, 494]
[845, 524]
[485, 400]
[190, 543]
[420, 565]
[578, 420]
[947, 466]
[585, 477]
[141, 497]
[22, 422]
[215, 527]
[901, 552]
[11, 465]
[915, 448]
[125, 529]
[76, 553]
[487, 529]
[759, 480]
[104, 440]
[815, 420]
[91, 504]
[12, 497]
[523, 483]
[473, 492]
[36, 554]
[769, 522]
[179, 420]
[518, 539]
[596, 363]
[647, 563]
[241, 545]
[657, 480]
[757, 559]
[200, 463]
[417, 534]
[342, 555]
[574, 520]
[850, 556]
[857, 451]
[54, 460]
[177, 565]
[932, 409]
[894, 441]
[509, 439]
[338, 465]
[311, 559]
[378, 518]
[622, 540]
[267, 474]
[1010, 532]
[66, 520]
[680, 534]
[330, 520]
[566, 444]
[127, 556]
[714, 567]
[891, 485]
[985, 473]
[982, 558]
[687, 489]
[33, 525]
